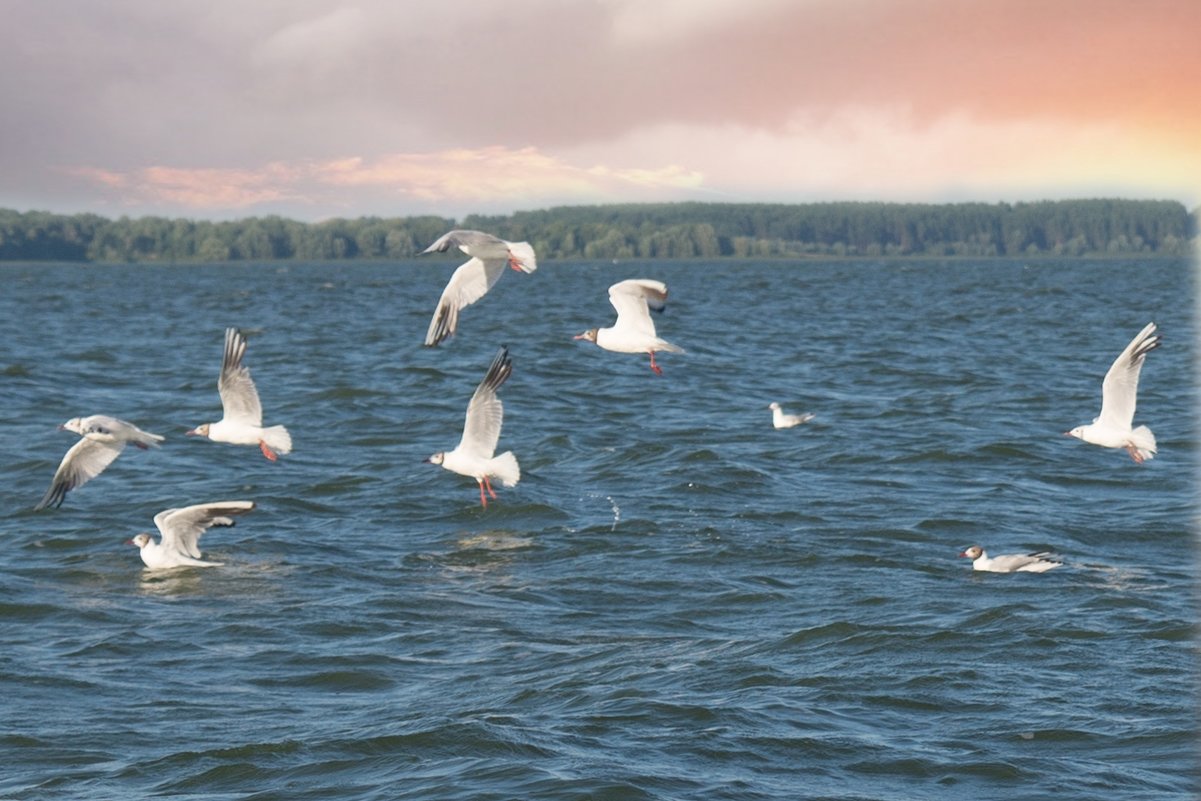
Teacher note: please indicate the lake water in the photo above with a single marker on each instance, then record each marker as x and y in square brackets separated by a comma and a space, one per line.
[676, 602]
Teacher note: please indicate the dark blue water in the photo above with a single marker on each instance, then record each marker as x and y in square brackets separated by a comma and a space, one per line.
[676, 602]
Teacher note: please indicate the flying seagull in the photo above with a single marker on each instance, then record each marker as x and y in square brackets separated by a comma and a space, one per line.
[1119, 391]
[102, 438]
[242, 423]
[481, 431]
[472, 280]
[634, 331]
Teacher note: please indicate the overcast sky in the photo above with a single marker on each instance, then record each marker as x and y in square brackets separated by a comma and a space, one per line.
[315, 108]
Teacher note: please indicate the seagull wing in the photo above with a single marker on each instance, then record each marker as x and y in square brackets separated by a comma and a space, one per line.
[633, 299]
[101, 426]
[473, 243]
[181, 528]
[485, 413]
[469, 283]
[239, 398]
[84, 461]
[1119, 390]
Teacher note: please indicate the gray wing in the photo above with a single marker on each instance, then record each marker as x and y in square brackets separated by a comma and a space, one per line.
[469, 283]
[485, 413]
[84, 461]
[470, 242]
[633, 299]
[239, 398]
[181, 528]
[1119, 390]
[101, 426]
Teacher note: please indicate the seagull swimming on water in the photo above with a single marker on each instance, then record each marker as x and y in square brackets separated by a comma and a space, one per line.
[242, 423]
[634, 331]
[481, 431]
[1009, 563]
[102, 438]
[472, 280]
[181, 530]
[1119, 393]
[780, 419]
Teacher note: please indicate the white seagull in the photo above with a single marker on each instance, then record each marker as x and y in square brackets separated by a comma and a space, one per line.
[472, 280]
[102, 438]
[242, 423]
[1119, 391]
[481, 431]
[181, 530]
[634, 331]
[1009, 563]
[780, 419]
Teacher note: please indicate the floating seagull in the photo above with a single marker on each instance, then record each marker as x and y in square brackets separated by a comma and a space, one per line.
[1119, 391]
[781, 420]
[102, 438]
[181, 530]
[481, 431]
[1009, 563]
[634, 331]
[473, 279]
[242, 423]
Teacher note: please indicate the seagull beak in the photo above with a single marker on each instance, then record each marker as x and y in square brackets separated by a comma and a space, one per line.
[1067, 433]
[191, 433]
[964, 554]
[130, 542]
[580, 336]
[426, 460]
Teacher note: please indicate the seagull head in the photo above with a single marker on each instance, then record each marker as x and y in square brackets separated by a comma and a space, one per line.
[589, 335]
[973, 553]
[437, 458]
[140, 540]
[199, 431]
[74, 424]
[1077, 432]
[773, 406]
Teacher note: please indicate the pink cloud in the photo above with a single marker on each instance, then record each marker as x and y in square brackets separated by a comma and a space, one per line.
[453, 178]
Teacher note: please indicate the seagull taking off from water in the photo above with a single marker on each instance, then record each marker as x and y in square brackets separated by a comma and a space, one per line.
[472, 280]
[242, 423]
[1009, 563]
[1119, 392]
[780, 419]
[634, 331]
[481, 431]
[181, 530]
[102, 438]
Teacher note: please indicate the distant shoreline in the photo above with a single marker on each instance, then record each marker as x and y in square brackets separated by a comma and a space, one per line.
[1096, 228]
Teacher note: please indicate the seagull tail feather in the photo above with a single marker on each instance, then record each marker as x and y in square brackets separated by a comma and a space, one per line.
[278, 439]
[505, 468]
[1144, 441]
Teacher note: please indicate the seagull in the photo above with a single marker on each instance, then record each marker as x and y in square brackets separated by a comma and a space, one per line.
[1009, 563]
[634, 331]
[781, 420]
[242, 423]
[181, 530]
[1119, 390]
[481, 431]
[472, 280]
[102, 438]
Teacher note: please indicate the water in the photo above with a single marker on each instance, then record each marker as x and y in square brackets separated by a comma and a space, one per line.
[676, 602]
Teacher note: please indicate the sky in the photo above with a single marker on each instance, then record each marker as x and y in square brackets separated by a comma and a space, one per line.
[311, 109]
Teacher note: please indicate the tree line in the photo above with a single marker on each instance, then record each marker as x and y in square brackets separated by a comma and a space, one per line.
[626, 231]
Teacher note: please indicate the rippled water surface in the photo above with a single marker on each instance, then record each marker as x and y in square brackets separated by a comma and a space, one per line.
[676, 602]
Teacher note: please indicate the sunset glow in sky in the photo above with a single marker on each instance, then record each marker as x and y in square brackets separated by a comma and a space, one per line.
[314, 108]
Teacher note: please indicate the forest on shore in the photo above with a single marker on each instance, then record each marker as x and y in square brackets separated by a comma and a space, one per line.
[626, 231]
